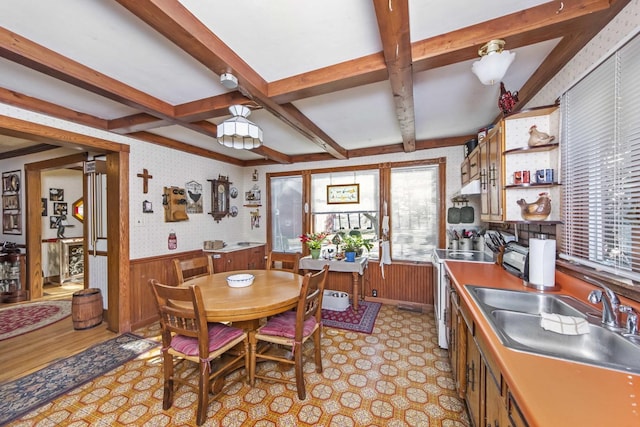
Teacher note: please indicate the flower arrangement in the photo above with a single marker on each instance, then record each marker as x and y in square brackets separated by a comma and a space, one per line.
[313, 240]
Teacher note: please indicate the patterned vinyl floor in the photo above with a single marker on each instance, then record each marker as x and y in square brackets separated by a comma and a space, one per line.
[397, 376]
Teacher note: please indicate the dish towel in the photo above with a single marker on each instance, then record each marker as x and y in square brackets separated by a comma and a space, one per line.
[385, 256]
[566, 325]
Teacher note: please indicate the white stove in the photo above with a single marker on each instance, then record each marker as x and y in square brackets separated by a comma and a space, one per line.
[442, 286]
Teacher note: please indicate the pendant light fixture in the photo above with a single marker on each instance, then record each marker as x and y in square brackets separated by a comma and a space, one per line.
[238, 132]
[494, 62]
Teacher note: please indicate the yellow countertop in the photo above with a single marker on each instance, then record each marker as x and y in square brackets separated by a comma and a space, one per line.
[552, 392]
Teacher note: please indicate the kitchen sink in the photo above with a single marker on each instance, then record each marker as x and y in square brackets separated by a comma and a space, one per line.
[515, 318]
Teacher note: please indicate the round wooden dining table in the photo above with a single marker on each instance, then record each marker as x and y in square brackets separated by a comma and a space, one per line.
[271, 292]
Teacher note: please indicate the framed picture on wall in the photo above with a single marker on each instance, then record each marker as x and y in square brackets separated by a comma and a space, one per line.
[11, 223]
[53, 221]
[43, 206]
[59, 208]
[56, 194]
[342, 194]
[11, 202]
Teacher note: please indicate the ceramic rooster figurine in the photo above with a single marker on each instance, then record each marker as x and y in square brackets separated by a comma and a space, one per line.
[538, 138]
[536, 211]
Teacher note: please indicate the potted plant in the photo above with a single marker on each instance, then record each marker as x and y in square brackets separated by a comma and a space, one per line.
[354, 245]
[314, 242]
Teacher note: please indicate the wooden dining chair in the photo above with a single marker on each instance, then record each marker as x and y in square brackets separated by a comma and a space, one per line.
[192, 268]
[186, 336]
[289, 331]
[283, 261]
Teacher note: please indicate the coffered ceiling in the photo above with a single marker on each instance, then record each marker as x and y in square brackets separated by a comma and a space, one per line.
[330, 79]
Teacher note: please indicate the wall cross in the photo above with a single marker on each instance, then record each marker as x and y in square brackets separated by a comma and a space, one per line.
[145, 180]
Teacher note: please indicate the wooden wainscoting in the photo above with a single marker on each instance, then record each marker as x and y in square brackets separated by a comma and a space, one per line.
[143, 309]
[404, 283]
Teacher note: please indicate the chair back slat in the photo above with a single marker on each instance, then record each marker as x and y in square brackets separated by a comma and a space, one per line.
[310, 302]
[284, 261]
[192, 268]
[182, 321]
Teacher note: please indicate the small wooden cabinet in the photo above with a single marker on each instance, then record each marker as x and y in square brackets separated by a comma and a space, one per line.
[250, 258]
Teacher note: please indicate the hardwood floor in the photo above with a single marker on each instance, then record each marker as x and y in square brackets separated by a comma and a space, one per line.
[29, 352]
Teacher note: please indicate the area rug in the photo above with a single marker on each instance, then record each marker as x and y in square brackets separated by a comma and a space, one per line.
[351, 320]
[34, 390]
[22, 318]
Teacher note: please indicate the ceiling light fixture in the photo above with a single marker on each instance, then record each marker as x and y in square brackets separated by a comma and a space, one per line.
[228, 80]
[238, 132]
[494, 62]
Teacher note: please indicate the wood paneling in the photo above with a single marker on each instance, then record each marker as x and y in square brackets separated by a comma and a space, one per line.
[402, 282]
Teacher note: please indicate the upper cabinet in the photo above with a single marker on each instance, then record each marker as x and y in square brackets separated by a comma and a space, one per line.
[532, 168]
[489, 159]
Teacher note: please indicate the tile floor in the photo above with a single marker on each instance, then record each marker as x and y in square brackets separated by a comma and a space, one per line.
[397, 376]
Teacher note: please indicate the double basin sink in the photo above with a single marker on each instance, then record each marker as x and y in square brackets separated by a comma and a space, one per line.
[515, 318]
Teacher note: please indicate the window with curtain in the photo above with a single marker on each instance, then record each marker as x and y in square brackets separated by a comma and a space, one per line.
[286, 213]
[601, 166]
[341, 218]
[414, 210]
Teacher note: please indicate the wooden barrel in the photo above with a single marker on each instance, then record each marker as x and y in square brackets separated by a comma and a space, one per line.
[86, 308]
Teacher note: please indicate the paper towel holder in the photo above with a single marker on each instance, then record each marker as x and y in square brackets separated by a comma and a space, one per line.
[539, 287]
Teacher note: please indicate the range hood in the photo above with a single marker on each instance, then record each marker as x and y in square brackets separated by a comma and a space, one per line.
[472, 187]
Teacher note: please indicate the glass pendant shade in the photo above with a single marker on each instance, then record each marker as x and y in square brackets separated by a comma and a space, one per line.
[494, 63]
[238, 132]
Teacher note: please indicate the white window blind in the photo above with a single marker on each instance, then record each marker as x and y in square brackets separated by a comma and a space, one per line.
[601, 166]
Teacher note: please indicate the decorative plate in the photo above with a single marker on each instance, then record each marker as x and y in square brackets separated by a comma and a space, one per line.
[233, 211]
[233, 192]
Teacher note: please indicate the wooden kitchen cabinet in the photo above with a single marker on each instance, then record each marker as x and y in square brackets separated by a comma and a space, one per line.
[251, 258]
[478, 379]
[465, 176]
[491, 182]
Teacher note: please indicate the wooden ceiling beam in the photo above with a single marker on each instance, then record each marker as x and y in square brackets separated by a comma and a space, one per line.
[171, 19]
[38, 105]
[187, 148]
[135, 123]
[215, 106]
[519, 29]
[31, 55]
[393, 25]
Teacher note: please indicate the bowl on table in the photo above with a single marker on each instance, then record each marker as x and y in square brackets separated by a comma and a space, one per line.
[240, 280]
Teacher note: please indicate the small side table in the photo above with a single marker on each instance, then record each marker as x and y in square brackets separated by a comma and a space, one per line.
[356, 269]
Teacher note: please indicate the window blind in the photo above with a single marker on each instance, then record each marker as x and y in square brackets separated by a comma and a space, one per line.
[601, 166]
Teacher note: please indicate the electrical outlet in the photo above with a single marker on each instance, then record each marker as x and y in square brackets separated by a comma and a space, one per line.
[374, 293]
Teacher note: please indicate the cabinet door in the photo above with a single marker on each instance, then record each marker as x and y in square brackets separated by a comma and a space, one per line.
[495, 409]
[464, 171]
[474, 393]
[483, 158]
[256, 258]
[474, 165]
[494, 176]
[458, 346]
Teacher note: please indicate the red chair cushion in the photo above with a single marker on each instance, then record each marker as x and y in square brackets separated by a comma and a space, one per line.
[219, 335]
[284, 325]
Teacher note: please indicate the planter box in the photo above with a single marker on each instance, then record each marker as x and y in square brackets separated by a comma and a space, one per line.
[334, 300]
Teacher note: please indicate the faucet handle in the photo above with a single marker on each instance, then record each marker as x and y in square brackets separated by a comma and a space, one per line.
[632, 318]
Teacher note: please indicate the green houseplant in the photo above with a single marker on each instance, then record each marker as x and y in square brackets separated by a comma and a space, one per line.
[357, 244]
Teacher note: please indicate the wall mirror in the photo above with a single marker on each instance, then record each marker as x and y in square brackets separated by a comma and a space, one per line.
[219, 197]
[77, 209]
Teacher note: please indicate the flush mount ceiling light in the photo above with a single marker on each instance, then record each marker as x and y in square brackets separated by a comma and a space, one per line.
[494, 62]
[228, 80]
[238, 132]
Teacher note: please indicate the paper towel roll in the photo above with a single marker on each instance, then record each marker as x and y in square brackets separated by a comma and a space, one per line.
[542, 262]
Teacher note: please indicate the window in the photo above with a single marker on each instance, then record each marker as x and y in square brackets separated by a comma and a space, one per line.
[286, 213]
[362, 217]
[415, 207]
[601, 166]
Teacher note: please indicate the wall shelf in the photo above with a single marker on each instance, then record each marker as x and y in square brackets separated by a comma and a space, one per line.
[523, 150]
[532, 185]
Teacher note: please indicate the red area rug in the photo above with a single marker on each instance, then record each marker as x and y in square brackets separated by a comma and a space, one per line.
[351, 320]
[22, 318]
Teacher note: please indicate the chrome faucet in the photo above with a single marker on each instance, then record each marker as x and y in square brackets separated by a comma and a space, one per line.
[632, 319]
[610, 305]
